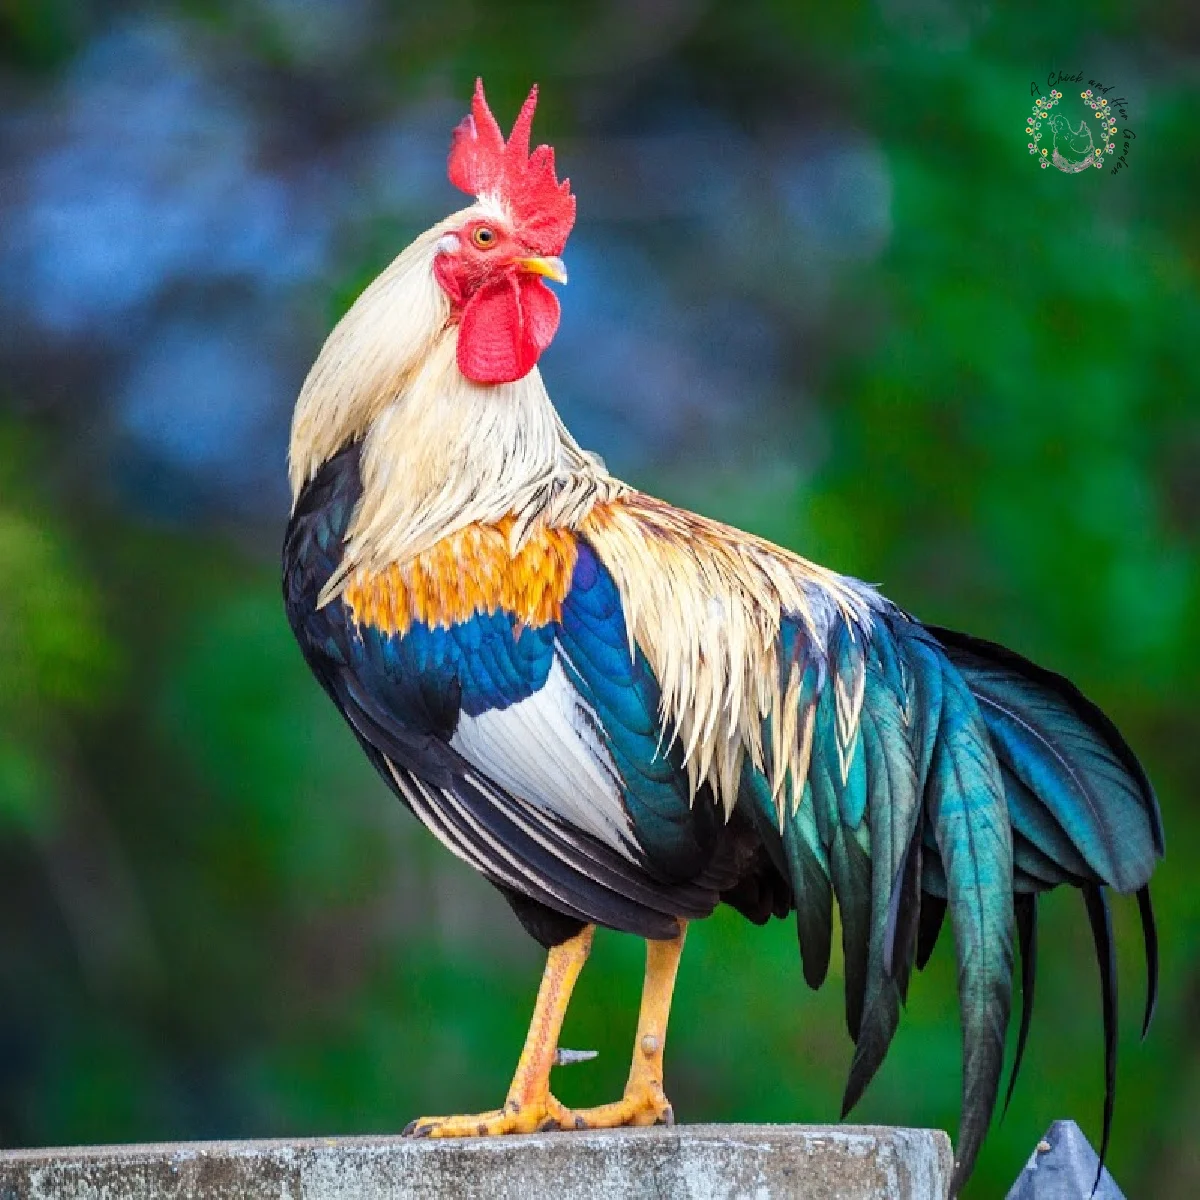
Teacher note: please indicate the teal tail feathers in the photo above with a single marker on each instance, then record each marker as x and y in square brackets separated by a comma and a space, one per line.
[1083, 812]
[949, 776]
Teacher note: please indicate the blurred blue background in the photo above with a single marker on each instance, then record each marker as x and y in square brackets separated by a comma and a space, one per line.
[818, 289]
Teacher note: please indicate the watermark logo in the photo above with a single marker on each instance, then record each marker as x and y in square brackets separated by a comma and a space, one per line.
[1082, 133]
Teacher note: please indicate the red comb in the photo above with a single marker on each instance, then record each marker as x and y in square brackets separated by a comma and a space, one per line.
[482, 162]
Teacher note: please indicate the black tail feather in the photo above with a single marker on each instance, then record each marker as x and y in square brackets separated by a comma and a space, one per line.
[1025, 907]
[929, 927]
[1100, 917]
[1150, 937]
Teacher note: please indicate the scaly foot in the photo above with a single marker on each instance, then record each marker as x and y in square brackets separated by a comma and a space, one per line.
[532, 1116]
[644, 1103]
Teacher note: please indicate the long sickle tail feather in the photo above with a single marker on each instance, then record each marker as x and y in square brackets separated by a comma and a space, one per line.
[1026, 914]
[1150, 939]
[1100, 918]
[966, 805]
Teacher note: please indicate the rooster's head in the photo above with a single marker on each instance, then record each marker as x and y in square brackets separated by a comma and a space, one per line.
[493, 266]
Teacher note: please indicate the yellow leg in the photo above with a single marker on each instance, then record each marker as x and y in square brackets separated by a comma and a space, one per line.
[529, 1105]
[645, 1102]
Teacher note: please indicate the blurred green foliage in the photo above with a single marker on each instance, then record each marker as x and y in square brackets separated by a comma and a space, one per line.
[58, 660]
[216, 920]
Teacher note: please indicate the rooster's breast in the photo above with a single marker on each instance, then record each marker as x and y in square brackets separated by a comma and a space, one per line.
[498, 693]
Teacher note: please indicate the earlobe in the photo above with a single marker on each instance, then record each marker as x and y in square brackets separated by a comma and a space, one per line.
[447, 280]
[505, 327]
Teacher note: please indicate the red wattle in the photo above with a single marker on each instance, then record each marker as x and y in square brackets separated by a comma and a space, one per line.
[505, 327]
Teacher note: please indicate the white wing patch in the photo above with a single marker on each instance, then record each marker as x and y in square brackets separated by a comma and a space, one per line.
[547, 749]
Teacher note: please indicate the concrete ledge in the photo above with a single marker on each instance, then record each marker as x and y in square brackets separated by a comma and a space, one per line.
[696, 1162]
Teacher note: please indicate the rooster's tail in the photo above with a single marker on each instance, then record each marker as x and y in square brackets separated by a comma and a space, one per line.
[971, 782]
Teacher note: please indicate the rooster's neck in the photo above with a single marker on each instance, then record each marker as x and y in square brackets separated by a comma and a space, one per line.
[370, 358]
[439, 452]
[450, 453]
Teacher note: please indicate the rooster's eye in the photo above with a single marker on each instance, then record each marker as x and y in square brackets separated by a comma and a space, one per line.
[484, 237]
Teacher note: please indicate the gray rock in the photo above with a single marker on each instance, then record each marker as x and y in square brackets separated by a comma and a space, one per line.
[696, 1162]
[1063, 1167]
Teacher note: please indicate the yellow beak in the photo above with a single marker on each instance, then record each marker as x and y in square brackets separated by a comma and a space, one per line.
[551, 268]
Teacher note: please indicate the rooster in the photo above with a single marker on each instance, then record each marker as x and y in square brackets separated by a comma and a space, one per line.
[623, 714]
